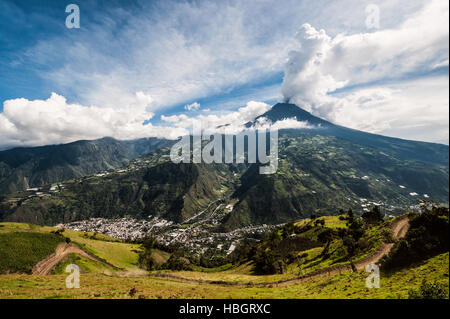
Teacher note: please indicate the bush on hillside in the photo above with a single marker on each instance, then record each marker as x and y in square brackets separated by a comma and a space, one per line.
[373, 216]
[244, 251]
[427, 236]
[267, 263]
[177, 262]
[427, 290]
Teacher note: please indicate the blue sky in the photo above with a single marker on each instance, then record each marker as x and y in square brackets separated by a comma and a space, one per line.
[23, 24]
[26, 25]
[134, 62]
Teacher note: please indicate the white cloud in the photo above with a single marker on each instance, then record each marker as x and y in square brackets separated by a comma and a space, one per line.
[416, 109]
[174, 53]
[40, 122]
[234, 122]
[182, 51]
[193, 106]
[225, 122]
[54, 121]
[441, 64]
[377, 67]
[289, 123]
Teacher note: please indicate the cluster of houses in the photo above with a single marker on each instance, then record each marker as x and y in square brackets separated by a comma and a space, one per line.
[197, 238]
[197, 234]
[122, 228]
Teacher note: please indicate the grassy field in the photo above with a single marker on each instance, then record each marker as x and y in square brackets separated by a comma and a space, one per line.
[160, 257]
[20, 251]
[314, 258]
[23, 245]
[32, 240]
[86, 265]
[330, 221]
[348, 285]
[121, 255]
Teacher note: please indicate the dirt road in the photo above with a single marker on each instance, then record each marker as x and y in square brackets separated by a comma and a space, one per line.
[45, 266]
[399, 228]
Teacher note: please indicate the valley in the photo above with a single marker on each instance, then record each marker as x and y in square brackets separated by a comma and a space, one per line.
[113, 269]
[245, 154]
[125, 213]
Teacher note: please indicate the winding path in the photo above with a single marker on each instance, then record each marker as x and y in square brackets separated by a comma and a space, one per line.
[399, 228]
[45, 266]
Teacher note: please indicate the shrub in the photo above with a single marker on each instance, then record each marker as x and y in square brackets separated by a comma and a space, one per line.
[374, 216]
[320, 222]
[427, 290]
[303, 255]
[427, 236]
[177, 262]
[387, 235]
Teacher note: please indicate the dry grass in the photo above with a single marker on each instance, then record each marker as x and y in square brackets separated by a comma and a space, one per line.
[349, 285]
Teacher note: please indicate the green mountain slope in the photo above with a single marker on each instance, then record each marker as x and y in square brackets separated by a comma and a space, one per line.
[291, 262]
[320, 174]
[320, 171]
[173, 192]
[401, 149]
[23, 168]
[144, 146]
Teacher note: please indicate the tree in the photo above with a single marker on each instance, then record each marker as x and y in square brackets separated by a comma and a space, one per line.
[351, 239]
[243, 252]
[177, 262]
[326, 237]
[5, 210]
[350, 215]
[320, 222]
[267, 263]
[373, 216]
[351, 244]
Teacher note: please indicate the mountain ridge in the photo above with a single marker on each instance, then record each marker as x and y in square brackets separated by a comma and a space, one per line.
[427, 152]
[320, 171]
[22, 168]
[29, 167]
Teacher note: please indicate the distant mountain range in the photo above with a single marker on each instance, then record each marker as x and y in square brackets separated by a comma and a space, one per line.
[29, 167]
[320, 171]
